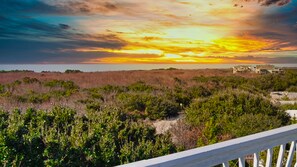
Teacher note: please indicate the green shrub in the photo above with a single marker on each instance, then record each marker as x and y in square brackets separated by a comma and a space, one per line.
[223, 113]
[68, 85]
[68, 71]
[179, 95]
[253, 123]
[28, 80]
[16, 83]
[275, 82]
[262, 83]
[61, 137]
[133, 102]
[2, 88]
[61, 89]
[160, 108]
[289, 107]
[3, 120]
[95, 93]
[38, 98]
[107, 89]
[140, 87]
[95, 106]
[153, 107]
[198, 92]
[33, 97]
[292, 89]
[63, 117]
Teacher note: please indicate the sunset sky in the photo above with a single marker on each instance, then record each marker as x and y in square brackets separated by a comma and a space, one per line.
[148, 31]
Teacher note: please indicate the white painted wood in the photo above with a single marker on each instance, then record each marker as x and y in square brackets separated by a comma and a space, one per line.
[256, 160]
[269, 157]
[281, 155]
[226, 164]
[296, 154]
[291, 154]
[241, 162]
[225, 151]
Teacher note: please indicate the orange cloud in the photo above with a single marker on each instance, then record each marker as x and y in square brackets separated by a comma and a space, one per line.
[187, 31]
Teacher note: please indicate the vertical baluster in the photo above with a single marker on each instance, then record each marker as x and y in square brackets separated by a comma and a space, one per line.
[256, 159]
[241, 162]
[226, 164]
[269, 157]
[280, 155]
[296, 156]
[291, 153]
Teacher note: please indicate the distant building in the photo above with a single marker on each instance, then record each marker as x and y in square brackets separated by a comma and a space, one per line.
[259, 69]
[277, 71]
[242, 69]
[266, 69]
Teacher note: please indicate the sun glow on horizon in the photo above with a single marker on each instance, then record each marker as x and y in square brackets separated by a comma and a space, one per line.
[170, 31]
[200, 35]
[179, 52]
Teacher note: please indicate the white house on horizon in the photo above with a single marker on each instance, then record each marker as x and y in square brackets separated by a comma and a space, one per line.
[266, 69]
[242, 69]
[259, 69]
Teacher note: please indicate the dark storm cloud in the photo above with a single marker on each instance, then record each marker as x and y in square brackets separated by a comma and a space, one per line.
[20, 27]
[277, 26]
[24, 39]
[99, 41]
[64, 26]
[67, 7]
[274, 2]
[42, 52]
[28, 6]
[27, 40]
[269, 2]
[25, 53]
[31, 29]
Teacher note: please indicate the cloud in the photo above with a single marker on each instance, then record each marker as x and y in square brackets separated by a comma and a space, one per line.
[55, 7]
[24, 27]
[269, 2]
[266, 60]
[55, 30]
[32, 6]
[110, 6]
[27, 40]
[64, 26]
[86, 8]
[27, 52]
[254, 59]
[274, 2]
[32, 30]
[277, 26]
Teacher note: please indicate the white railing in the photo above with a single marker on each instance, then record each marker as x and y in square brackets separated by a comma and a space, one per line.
[222, 153]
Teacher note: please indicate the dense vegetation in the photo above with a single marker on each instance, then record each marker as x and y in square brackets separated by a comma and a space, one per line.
[233, 113]
[56, 122]
[61, 137]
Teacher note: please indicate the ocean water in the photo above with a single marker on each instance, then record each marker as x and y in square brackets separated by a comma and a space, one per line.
[116, 67]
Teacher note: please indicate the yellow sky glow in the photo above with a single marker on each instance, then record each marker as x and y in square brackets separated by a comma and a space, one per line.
[187, 31]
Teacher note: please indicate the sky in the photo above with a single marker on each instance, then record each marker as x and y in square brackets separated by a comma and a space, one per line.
[148, 31]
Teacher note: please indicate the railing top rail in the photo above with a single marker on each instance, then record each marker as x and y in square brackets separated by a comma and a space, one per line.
[221, 152]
